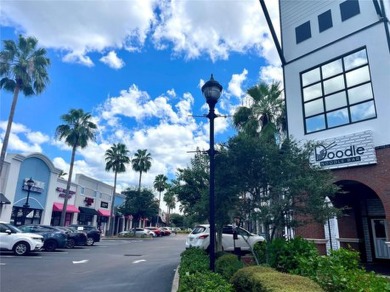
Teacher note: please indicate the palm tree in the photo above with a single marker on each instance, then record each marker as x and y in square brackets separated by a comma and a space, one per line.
[116, 160]
[23, 68]
[160, 184]
[265, 113]
[141, 163]
[77, 131]
[169, 199]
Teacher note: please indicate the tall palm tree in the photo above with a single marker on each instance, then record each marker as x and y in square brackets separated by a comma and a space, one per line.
[116, 160]
[23, 68]
[265, 112]
[170, 200]
[160, 184]
[141, 163]
[77, 131]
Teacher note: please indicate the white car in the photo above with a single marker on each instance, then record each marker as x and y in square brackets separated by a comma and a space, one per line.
[200, 237]
[139, 232]
[13, 239]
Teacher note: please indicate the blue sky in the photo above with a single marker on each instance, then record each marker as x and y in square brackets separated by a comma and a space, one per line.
[137, 66]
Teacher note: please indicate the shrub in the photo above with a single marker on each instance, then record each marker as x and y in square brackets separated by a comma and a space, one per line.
[260, 251]
[340, 271]
[261, 278]
[282, 282]
[285, 255]
[204, 282]
[227, 265]
[193, 260]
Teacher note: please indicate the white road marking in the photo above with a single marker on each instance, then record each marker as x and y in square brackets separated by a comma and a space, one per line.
[136, 262]
[2, 264]
[80, 262]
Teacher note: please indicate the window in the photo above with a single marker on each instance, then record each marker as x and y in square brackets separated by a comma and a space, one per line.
[349, 9]
[303, 32]
[325, 21]
[338, 93]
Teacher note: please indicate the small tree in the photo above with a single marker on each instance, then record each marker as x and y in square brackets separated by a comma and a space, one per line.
[141, 162]
[170, 200]
[139, 204]
[116, 160]
[160, 184]
[23, 68]
[77, 131]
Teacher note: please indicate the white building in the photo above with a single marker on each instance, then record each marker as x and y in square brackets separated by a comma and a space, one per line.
[337, 87]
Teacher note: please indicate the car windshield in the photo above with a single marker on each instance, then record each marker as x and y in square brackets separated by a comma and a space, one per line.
[13, 228]
[198, 229]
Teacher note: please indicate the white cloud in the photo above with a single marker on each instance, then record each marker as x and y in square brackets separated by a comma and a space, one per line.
[235, 85]
[189, 28]
[211, 27]
[22, 139]
[112, 60]
[79, 27]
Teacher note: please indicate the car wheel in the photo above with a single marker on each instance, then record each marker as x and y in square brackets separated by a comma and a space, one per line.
[90, 241]
[71, 243]
[50, 245]
[21, 248]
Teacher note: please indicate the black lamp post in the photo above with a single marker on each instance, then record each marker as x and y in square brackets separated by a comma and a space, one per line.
[212, 91]
[30, 183]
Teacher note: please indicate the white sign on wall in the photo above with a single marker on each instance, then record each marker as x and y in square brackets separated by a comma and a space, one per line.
[345, 151]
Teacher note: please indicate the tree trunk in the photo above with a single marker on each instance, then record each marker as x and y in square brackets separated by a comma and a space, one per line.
[63, 213]
[9, 125]
[111, 221]
[139, 182]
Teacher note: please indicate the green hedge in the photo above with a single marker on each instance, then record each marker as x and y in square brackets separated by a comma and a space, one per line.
[259, 278]
[195, 275]
[205, 281]
[227, 264]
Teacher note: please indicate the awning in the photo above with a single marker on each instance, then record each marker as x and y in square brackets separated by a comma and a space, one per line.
[57, 207]
[3, 199]
[103, 212]
[89, 211]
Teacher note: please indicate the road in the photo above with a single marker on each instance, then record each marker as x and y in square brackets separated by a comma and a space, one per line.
[110, 265]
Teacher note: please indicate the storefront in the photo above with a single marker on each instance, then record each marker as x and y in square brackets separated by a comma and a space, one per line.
[87, 216]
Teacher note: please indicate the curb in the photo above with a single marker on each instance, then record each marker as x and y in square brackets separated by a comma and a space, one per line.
[175, 282]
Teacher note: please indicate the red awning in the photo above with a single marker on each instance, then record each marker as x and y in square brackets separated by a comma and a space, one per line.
[57, 207]
[105, 213]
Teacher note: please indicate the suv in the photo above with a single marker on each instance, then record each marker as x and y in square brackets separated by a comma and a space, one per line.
[11, 238]
[93, 234]
[53, 238]
[199, 237]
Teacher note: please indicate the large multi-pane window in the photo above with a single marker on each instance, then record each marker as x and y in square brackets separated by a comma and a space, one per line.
[338, 93]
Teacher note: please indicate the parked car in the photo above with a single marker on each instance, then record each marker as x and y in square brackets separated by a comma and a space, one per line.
[53, 238]
[75, 237]
[166, 231]
[199, 237]
[13, 239]
[155, 230]
[139, 232]
[93, 234]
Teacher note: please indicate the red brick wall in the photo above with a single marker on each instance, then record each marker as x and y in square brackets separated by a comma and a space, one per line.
[376, 177]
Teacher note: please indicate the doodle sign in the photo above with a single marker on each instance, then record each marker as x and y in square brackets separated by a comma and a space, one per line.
[346, 151]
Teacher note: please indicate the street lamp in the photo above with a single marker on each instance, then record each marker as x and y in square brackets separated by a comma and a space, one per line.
[30, 183]
[212, 91]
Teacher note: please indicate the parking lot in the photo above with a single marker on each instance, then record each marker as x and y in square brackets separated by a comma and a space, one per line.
[112, 264]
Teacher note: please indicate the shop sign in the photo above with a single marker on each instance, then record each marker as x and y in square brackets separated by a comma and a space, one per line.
[103, 204]
[63, 192]
[88, 201]
[38, 187]
[346, 151]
